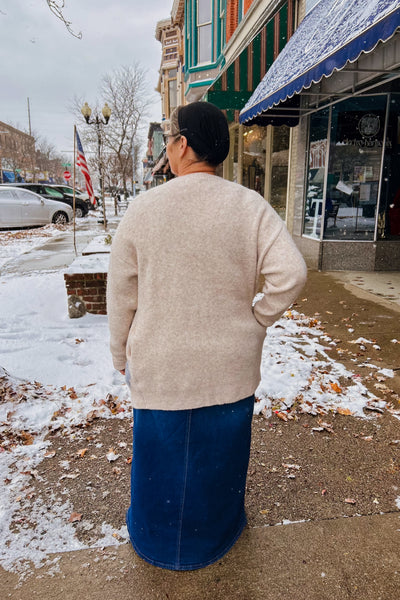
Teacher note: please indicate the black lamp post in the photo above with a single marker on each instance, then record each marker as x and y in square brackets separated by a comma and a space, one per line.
[98, 122]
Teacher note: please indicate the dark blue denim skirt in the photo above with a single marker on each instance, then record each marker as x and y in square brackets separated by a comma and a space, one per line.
[188, 483]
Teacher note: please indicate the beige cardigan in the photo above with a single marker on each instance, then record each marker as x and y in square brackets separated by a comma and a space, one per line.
[184, 269]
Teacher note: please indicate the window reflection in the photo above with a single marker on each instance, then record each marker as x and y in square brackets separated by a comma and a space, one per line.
[350, 201]
[389, 211]
[317, 153]
[357, 132]
[254, 158]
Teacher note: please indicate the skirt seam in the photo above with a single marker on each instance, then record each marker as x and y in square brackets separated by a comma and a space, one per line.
[187, 441]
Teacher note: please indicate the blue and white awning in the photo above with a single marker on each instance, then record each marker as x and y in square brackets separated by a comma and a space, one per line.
[334, 33]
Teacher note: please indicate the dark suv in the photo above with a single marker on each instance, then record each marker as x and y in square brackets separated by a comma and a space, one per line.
[52, 193]
[69, 191]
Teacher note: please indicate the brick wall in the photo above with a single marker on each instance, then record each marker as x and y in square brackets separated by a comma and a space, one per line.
[232, 15]
[86, 293]
[247, 4]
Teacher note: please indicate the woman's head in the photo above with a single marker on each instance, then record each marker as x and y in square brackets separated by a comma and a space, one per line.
[205, 129]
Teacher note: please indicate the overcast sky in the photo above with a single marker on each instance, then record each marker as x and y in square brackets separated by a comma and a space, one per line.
[39, 59]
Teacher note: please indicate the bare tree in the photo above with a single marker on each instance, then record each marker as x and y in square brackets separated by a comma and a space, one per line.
[57, 10]
[126, 92]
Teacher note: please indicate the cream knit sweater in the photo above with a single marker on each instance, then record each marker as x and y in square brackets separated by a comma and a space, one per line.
[184, 269]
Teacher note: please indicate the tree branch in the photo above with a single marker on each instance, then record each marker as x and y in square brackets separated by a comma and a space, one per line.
[56, 8]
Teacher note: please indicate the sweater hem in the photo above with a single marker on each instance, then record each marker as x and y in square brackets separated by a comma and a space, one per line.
[221, 395]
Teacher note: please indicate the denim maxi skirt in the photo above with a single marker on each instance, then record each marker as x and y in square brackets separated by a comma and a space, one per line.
[188, 483]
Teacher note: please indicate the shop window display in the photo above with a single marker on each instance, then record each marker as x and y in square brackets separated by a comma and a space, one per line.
[355, 155]
[254, 164]
[389, 206]
[317, 153]
[279, 169]
[254, 141]
[343, 201]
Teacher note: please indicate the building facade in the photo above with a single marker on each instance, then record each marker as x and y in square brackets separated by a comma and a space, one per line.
[325, 150]
[17, 154]
[170, 83]
[337, 85]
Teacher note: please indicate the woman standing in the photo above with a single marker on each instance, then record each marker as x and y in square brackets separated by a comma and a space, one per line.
[185, 266]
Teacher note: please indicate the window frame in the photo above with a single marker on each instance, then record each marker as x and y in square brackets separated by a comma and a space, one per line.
[198, 27]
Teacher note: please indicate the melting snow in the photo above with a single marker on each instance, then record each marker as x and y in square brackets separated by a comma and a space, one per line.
[59, 370]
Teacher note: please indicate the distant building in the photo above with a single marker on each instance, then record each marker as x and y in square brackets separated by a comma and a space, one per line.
[170, 83]
[17, 154]
[155, 169]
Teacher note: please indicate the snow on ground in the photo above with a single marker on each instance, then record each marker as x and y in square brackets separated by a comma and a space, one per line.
[59, 374]
[14, 243]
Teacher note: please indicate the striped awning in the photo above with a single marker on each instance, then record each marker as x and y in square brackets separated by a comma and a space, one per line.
[333, 34]
[236, 83]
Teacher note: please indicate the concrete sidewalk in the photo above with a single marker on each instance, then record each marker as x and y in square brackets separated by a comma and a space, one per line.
[341, 559]
[382, 287]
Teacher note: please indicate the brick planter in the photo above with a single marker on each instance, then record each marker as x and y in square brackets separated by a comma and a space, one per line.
[86, 293]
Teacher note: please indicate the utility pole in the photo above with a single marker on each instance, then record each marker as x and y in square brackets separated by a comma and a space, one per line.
[29, 118]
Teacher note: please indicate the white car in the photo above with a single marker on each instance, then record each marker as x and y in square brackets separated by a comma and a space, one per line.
[22, 208]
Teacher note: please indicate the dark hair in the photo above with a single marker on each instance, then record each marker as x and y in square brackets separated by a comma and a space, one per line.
[206, 129]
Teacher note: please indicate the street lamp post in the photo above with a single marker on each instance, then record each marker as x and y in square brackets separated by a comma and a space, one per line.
[98, 123]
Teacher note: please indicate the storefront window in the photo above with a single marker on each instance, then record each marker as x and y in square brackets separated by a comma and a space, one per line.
[355, 155]
[279, 169]
[235, 155]
[389, 206]
[317, 153]
[254, 158]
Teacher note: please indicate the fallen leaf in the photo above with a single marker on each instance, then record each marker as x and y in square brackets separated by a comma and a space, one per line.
[72, 394]
[344, 411]
[69, 476]
[50, 454]
[27, 438]
[111, 456]
[326, 426]
[75, 517]
[281, 415]
[336, 387]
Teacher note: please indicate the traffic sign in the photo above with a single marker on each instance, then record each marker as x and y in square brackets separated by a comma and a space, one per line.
[67, 175]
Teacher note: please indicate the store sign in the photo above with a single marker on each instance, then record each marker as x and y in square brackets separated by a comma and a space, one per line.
[361, 130]
[369, 125]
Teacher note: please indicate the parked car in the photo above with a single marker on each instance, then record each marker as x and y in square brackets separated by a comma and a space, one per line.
[48, 191]
[23, 208]
[66, 189]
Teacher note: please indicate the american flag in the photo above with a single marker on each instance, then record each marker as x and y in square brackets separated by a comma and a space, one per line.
[82, 164]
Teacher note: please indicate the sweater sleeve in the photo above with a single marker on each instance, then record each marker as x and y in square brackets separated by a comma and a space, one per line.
[122, 294]
[282, 267]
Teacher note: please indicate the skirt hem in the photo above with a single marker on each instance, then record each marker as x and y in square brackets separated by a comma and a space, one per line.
[193, 566]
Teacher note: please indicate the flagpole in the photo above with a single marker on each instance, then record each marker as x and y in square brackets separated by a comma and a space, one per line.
[73, 187]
